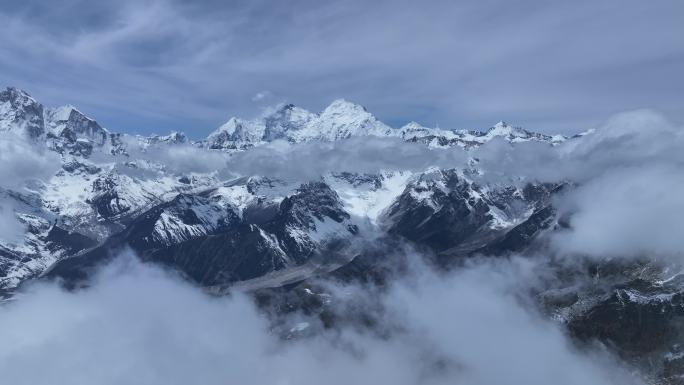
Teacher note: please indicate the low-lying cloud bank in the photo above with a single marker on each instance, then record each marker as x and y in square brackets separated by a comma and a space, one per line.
[138, 324]
[627, 212]
[310, 160]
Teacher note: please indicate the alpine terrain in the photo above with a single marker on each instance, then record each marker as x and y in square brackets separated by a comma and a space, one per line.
[265, 207]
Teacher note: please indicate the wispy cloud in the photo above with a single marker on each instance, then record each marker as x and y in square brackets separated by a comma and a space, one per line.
[158, 64]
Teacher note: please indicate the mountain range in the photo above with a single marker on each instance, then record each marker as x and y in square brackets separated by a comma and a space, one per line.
[270, 234]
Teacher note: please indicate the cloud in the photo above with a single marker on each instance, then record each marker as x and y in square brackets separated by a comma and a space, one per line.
[630, 212]
[11, 229]
[628, 139]
[625, 200]
[184, 158]
[138, 324]
[261, 96]
[160, 64]
[23, 162]
[310, 160]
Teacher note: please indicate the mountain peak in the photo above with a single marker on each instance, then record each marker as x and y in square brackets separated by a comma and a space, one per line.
[15, 95]
[227, 127]
[504, 129]
[20, 113]
[414, 126]
[68, 122]
[63, 113]
[343, 106]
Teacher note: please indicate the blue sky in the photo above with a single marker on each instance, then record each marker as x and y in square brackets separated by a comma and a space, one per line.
[158, 65]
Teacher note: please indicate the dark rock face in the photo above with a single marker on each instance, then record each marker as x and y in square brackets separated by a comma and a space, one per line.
[183, 218]
[5, 257]
[633, 322]
[240, 254]
[521, 236]
[249, 250]
[73, 133]
[79, 124]
[107, 202]
[454, 217]
[212, 245]
[70, 243]
[626, 306]
[438, 213]
[278, 123]
[75, 166]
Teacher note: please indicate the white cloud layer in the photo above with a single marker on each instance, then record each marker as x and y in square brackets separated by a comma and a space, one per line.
[310, 160]
[138, 325]
[22, 161]
[626, 199]
[629, 212]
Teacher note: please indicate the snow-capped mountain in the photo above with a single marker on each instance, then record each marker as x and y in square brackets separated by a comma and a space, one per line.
[106, 188]
[343, 119]
[113, 192]
[21, 114]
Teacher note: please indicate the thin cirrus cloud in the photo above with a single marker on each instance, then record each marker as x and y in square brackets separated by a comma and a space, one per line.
[157, 65]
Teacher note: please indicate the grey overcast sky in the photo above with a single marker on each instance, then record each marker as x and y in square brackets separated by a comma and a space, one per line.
[146, 66]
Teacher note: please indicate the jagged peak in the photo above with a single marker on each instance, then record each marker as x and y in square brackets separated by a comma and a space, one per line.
[228, 127]
[66, 113]
[14, 95]
[63, 113]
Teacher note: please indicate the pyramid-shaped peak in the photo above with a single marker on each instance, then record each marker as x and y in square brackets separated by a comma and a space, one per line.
[228, 127]
[63, 113]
